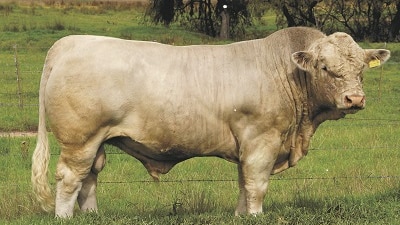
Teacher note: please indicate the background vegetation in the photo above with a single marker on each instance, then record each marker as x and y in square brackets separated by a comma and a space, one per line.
[363, 19]
[349, 177]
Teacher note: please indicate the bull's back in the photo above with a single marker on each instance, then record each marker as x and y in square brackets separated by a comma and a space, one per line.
[147, 91]
[94, 70]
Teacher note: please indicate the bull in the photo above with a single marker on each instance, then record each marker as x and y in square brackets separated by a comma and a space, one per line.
[256, 103]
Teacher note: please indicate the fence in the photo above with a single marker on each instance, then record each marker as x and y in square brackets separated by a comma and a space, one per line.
[20, 71]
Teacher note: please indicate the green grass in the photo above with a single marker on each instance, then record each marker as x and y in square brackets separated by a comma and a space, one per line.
[350, 175]
[329, 186]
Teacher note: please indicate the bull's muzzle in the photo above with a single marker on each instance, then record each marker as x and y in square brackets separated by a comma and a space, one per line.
[354, 101]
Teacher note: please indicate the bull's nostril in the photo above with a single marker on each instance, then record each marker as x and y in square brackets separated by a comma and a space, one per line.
[354, 100]
[348, 100]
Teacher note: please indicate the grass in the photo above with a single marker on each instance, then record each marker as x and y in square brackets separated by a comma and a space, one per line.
[327, 187]
[350, 175]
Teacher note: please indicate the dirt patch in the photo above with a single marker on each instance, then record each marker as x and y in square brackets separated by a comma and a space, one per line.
[18, 134]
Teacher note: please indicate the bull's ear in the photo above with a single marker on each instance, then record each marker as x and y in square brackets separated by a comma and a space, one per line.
[303, 60]
[376, 57]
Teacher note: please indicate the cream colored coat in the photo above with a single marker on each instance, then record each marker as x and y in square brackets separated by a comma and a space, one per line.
[255, 103]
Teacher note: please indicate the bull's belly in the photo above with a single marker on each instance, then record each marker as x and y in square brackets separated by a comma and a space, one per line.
[174, 152]
[153, 150]
[157, 158]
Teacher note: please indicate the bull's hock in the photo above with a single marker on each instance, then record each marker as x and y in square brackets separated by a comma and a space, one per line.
[251, 102]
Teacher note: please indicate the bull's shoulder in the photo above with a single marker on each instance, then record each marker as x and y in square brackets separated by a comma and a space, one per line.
[296, 38]
[301, 31]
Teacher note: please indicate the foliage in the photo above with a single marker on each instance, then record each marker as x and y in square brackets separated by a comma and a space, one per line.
[375, 20]
[162, 11]
[202, 15]
[363, 19]
[199, 16]
[296, 13]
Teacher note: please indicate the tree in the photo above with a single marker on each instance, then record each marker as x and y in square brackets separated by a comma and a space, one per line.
[203, 15]
[363, 19]
[395, 24]
[162, 11]
[295, 12]
[224, 31]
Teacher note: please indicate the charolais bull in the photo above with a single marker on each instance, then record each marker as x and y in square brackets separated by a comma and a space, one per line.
[256, 103]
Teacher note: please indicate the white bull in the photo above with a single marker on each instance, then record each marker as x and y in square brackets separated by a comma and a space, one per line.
[255, 103]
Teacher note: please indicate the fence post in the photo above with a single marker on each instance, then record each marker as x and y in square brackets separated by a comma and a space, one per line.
[19, 81]
[380, 82]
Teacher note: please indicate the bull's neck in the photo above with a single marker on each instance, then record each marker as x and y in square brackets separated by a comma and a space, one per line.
[304, 127]
[308, 116]
[309, 113]
[317, 109]
[308, 106]
[301, 90]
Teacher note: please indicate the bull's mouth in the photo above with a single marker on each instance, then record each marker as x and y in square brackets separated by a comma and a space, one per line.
[352, 110]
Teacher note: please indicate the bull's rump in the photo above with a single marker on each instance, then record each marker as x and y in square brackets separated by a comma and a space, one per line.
[187, 99]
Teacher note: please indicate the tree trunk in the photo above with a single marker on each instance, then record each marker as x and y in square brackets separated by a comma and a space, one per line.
[395, 24]
[289, 18]
[224, 32]
[376, 18]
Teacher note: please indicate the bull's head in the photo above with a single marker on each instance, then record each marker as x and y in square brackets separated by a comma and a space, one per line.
[336, 64]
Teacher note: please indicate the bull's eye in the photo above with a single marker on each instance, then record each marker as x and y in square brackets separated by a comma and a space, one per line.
[324, 68]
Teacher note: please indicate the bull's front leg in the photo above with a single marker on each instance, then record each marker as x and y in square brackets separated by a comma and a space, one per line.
[257, 160]
[242, 202]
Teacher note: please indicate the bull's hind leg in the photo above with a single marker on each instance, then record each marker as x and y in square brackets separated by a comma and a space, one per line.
[87, 195]
[74, 166]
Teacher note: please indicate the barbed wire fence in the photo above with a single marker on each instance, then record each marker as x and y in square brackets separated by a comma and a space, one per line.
[20, 77]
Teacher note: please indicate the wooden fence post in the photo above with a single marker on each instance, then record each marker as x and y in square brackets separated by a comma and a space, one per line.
[380, 82]
[19, 81]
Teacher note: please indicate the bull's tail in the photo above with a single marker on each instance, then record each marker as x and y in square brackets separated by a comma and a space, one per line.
[41, 155]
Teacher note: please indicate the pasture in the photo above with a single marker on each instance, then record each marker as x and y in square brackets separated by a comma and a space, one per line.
[350, 176]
